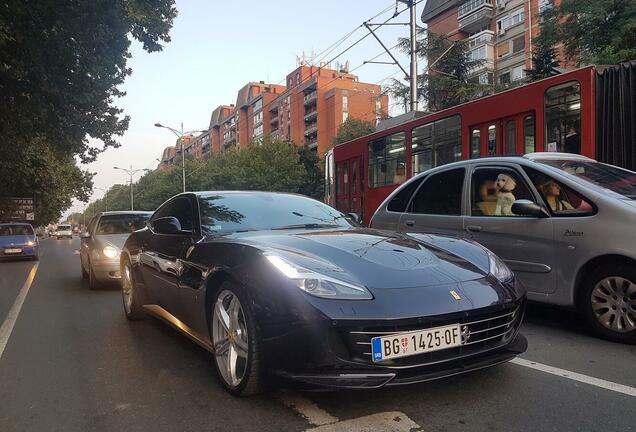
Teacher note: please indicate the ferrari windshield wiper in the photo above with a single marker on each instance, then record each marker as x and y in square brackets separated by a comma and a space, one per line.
[305, 226]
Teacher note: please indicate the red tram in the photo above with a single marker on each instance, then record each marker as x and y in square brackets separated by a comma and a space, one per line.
[591, 111]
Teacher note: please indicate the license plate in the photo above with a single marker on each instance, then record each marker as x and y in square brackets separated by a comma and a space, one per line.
[12, 251]
[415, 342]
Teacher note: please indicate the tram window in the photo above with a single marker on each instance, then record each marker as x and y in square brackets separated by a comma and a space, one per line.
[354, 177]
[528, 134]
[345, 178]
[511, 142]
[339, 178]
[435, 144]
[563, 118]
[492, 140]
[475, 143]
[387, 159]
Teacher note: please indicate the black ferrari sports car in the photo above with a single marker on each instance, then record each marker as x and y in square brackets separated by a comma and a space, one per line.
[280, 285]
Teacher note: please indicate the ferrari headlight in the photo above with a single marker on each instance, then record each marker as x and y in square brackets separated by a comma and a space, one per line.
[498, 268]
[317, 284]
[110, 252]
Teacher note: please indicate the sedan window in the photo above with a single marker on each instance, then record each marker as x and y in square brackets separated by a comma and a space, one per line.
[399, 202]
[561, 200]
[494, 189]
[441, 194]
[252, 212]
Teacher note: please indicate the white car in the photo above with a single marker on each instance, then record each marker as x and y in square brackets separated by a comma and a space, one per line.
[63, 230]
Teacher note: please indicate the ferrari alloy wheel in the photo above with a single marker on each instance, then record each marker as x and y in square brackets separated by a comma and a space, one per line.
[234, 340]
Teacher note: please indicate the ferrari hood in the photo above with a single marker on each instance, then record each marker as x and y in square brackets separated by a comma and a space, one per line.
[377, 259]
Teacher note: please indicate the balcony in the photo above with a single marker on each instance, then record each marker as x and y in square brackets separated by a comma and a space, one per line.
[311, 129]
[274, 120]
[311, 97]
[310, 115]
[311, 142]
[485, 37]
[474, 14]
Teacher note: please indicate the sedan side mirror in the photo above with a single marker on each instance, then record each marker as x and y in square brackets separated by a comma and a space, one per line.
[356, 217]
[85, 235]
[524, 207]
[168, 225]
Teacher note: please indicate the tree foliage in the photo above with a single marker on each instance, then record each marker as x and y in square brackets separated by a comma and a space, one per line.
[62, 65]
[544, 54]
[594, 31]
[351, 129]
[269, 165]
[447, 82]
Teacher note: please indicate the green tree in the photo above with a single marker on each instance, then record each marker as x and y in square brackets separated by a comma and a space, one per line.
[62, 65]
[448, 81]
[313, 184]
[351, 129]
[594, 31]
[544, 56]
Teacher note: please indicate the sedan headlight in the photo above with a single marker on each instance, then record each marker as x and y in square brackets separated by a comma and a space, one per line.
[498, 268]
[110, 252]
[317, 284]
[30, 243]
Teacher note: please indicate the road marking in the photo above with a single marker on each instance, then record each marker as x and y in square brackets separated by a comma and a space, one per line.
[608, 385]
[314, 414]
[391, 421]
[12, 317]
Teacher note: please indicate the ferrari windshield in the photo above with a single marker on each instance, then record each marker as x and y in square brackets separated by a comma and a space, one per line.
[264, 211]
[616, 179]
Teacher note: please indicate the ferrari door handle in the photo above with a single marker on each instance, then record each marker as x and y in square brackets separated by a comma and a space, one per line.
[409, 223]
[473, 228]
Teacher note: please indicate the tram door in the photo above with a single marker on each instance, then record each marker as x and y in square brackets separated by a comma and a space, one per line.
[349, 185]
[513, 135]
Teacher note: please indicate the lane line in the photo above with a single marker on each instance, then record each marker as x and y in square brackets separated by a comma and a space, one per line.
[608, 385]
[309, 410]
[391, 421]
[12, 317]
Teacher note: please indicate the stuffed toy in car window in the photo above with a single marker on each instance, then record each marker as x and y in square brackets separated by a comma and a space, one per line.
[504, 185]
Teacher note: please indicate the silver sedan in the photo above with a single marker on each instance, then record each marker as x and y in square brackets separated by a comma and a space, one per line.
[102, 241]
[563, 223]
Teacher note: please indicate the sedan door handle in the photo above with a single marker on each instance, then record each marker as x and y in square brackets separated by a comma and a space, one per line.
[473, 228]
[409, 223]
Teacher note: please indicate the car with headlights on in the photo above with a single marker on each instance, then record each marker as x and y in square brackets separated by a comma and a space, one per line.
[102, 241]
[282, 286]
[18, 240]
[63, 231]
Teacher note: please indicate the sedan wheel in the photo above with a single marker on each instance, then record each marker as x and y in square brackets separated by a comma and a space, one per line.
[614, 304]
[611, 303]
[234, 339]
[129, 294]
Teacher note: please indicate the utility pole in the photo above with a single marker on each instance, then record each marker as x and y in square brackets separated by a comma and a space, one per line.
[412, 75]
[413, 37]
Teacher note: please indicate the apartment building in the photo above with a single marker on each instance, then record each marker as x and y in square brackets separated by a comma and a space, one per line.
[500, 32]
[306, 111]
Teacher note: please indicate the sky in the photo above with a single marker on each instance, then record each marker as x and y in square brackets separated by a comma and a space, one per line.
[217, 47]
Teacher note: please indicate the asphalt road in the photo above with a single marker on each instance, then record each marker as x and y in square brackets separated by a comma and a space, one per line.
[72, 362]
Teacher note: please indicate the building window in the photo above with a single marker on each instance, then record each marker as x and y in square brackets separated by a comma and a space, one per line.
[517, 17]
[528, 134]
[503, 49]
[258, 118]
[477, 54]
[258, 105]
[518, 44]
[387, 160]
[517, 73]
[435, 144]
[544, 5]
[345, 116]
[258, 131]
[504, 78]
[562, 107]
[345, 103]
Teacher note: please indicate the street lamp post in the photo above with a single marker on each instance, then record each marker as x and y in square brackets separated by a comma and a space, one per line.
[180, 134]
[131, 172]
